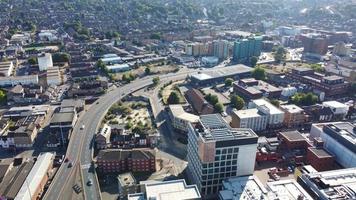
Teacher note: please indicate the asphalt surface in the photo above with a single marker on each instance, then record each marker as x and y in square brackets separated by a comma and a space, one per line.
[80, 147]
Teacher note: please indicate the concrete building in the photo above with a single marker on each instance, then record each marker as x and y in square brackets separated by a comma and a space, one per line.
[112, 59]
[180, 119]
[250, 88]
[339, 110]
[275, 115]
[320, 159]
[339, 140]
[44, 61]
[166, 190]
[15, 80]
[250, 188]
[64, 119]
[102, 139]
[294, 116]
[6, 68]
[221, 49]
[116, 68]
[244, 49]
[250, 118]
[54, 76]
[216, 152]
[127, 185]
[37, 178]
[210, 61]
[335, 184]
[315, 45]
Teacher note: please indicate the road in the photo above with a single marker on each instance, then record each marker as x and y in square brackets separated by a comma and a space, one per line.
[80, 147]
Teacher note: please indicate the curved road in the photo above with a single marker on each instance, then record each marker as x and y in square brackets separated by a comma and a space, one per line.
[80, 147]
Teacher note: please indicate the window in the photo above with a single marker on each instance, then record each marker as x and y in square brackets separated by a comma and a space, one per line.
[228, 157]
[228, 162]
[223, 157]
[234, 162]
[236, 150]
[234, 156]
[217, 152]
[229, 150]
[224, 151]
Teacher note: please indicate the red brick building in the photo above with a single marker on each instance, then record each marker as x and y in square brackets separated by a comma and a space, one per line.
[117, 160]
[292, 140]
[320, 159]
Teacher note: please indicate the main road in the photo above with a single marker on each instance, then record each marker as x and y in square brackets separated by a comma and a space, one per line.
[80, 148]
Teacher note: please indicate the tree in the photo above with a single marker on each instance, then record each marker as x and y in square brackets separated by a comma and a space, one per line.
[219, 107]
[213, 99]
[237, 102]
[173, 98]
[3, 97]
[317, 67]
[253, 61]
[147, 70]
[280, 54]
[155, 36]
[155, 80]
[32, 61]
[228, 82]
[275, 102]
[304, 99]
[259, 73]
[60, 57]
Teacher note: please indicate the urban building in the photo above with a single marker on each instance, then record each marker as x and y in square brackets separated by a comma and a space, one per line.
[250, 188]
[219, 75]
[53, 76]
[335, 184]
[44, 61]
[315, 45]
[251, 88]
[250, 118]
[180, 119]
[116, 68]
[6, 68]
[217, 152]
[36, 180]
[127, 184]
[119, 160]
[329, 85]
[102, 139]
[294, 116]
[275, 116]
[244, 49]
[16, 80]
[339, 140]
[198, 102]
[64, 119]
[166, 190]
[320, 159]
[339, 110]
[209, 61]
[221, 49]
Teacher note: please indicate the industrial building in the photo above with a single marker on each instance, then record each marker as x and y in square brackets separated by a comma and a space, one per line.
[44, 61]
[6, 68]
[217, 152]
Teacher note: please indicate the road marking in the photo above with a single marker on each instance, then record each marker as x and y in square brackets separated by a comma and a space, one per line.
[86, 166]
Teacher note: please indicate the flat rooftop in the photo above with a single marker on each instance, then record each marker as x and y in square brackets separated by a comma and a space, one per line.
[335, 104]
[293, 136]
[62, 117]
[179, 112]
[223, 71]
[214, 127]
[343, 132]
[169, 190]
[248, 113]
[321, 153]
[272, 109]
[291, 108]
[287, 189]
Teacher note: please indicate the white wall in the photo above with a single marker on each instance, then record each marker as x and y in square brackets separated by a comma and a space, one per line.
[246, 159]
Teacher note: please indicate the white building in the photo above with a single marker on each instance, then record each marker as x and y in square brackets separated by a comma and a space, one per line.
[118, 68]
[6, 68]
[48, 35]
[339, 109]
[339, 139]
[180, 119]
[54, 76]
[102, 139]
[44, 61]
[217, 152]
[15, 80]
[166, 190]
[250, 188]
[250, 118]
[37, 178]
[210, 61]
[274, 114]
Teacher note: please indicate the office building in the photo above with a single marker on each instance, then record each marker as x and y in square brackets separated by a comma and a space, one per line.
[250, 118]
[275, 115]
[315, 45]
[339, 140]
[250, 88]
[335, 184]
[216, 152]
[244, 49]
[294, 116]
[44, 61]
[166, 190]
[250, 188]
[339, 110]
[180, 119]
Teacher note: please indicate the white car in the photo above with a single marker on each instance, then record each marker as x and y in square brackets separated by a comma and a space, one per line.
[83, 126]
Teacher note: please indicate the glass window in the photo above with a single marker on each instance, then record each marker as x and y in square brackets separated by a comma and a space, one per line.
[228, 157]
[236, 150]
[228, 162]
[223, 157]
[234, 156]
[224, 151]
[217, 152]
[229, 150]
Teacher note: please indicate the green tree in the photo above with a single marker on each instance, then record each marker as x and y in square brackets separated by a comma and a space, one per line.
[213, 99]
[147, 70]
[304, 99]
[280, 54]
[317, 67]
[237, 102]
[173, 98]
[253, 61]
[3, 98]
[275, 102]
[32, 61]
[228, 82]
[259, 73]
[155, 81]
[60, 57]
[218, 107]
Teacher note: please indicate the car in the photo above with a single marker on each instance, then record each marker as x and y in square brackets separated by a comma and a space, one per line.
[70, 165]
[82, 127]
[97, 102]
[224, 114]
[77, 188]
[90, 182]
